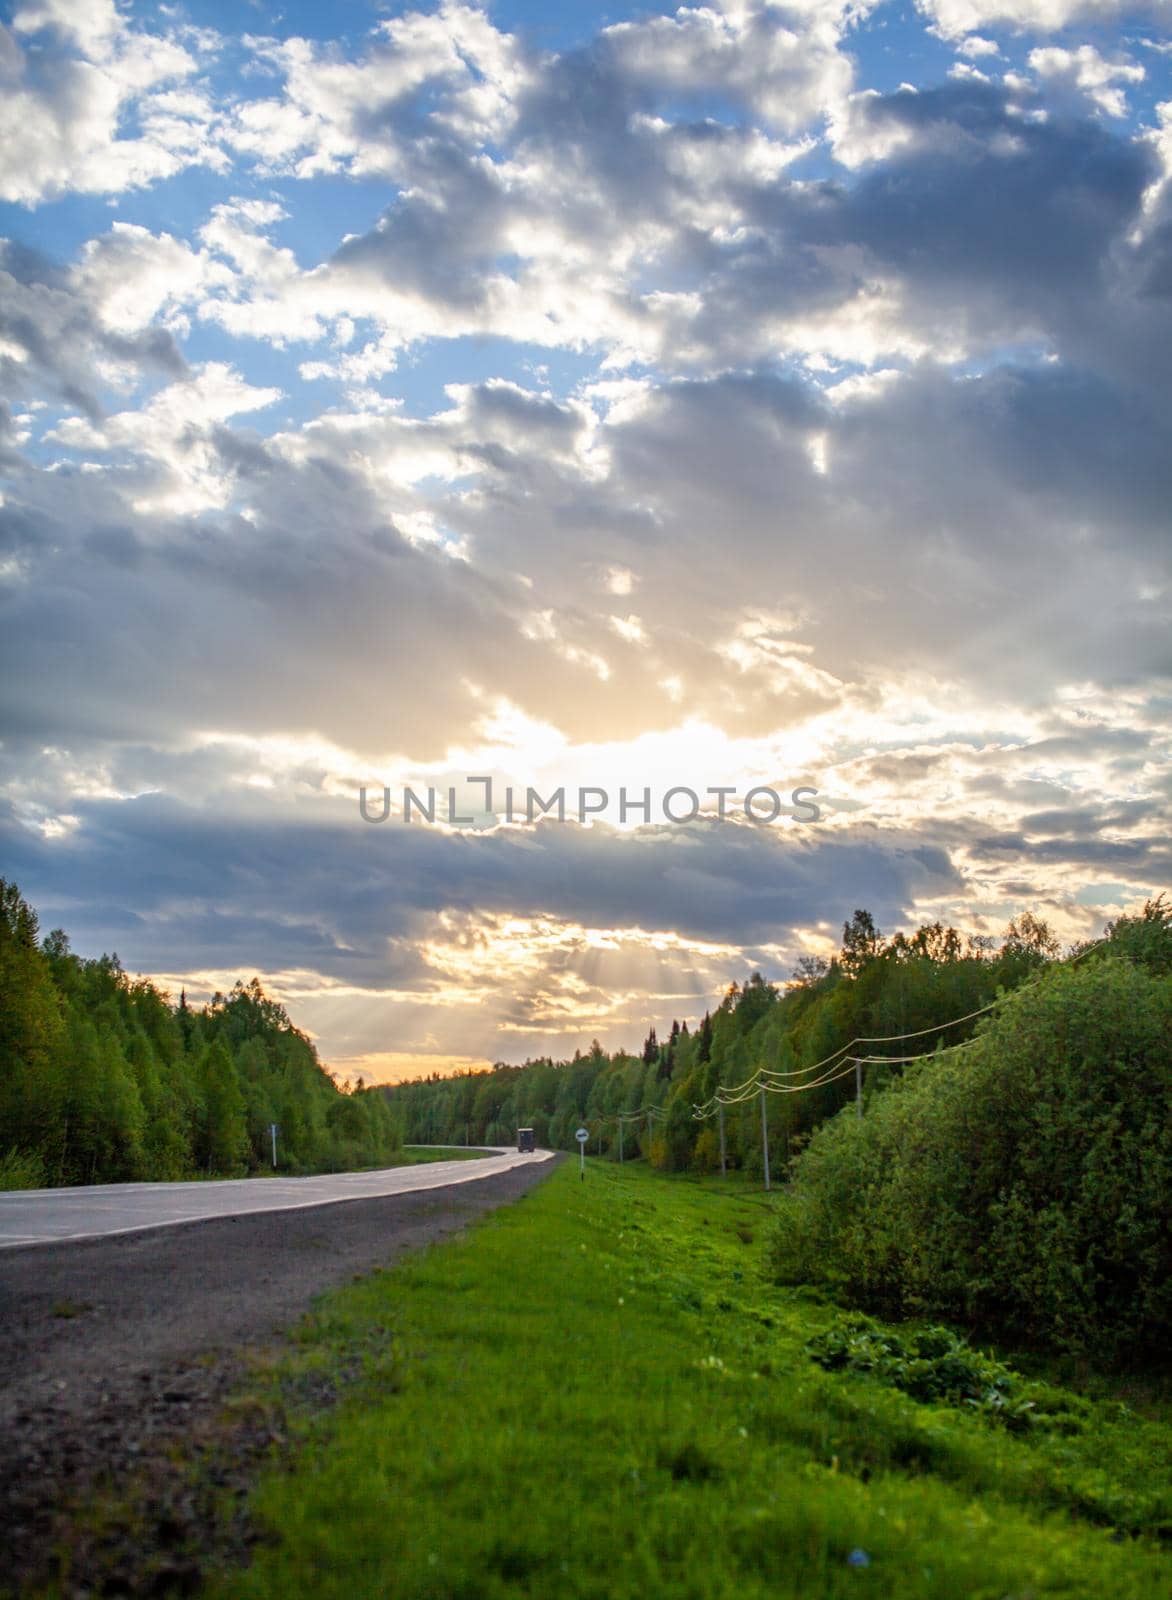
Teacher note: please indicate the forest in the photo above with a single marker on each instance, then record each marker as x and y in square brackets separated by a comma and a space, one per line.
[104, 1079]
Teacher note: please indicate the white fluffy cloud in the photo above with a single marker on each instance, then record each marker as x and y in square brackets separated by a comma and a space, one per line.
[955, 18]
[133, 278]
[1085, 74]
[174, 464]
[355, 116]
[782, 60]
[71, 71]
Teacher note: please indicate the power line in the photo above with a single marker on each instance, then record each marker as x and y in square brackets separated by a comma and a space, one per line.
[777, 1082]
[730, 1094]
[926, 1055]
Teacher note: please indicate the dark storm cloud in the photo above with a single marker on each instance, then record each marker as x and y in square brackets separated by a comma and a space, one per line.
[1150, 857]
[330, 893]
[1091, 820]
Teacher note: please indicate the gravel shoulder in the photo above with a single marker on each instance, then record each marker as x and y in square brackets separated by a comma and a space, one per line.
[118, 1356]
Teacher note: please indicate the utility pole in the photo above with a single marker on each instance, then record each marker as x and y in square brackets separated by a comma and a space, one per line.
[620, 1138]
[765, 1135]
[858, 1087]
[720, 1105]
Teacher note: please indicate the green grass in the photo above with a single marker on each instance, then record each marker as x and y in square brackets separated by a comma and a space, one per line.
[415, 1155]
[597, 1392]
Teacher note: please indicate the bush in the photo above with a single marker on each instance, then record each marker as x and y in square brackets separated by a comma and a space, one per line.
[20, 1170]
[1023, 1183]
[936, 1366]
[706, 1155]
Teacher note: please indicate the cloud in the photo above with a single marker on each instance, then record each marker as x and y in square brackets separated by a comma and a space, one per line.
[970, 224]
[57, 340]
[1085, 75]
[941, 517]
[784, 62]
[409, 912]
[940, 511]
[859, 472]
[965, 205]
[954, 18]
[133, 279]
[175, 460]
[529, 188]
[362, 116]
[976, 47]
[73, 72]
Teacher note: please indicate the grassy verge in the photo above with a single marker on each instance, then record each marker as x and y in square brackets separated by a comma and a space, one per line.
[412, 1155]
[596, 1392]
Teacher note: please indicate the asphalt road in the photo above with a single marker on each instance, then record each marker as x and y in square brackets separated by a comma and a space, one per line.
[121, 1355]
[52, 1216]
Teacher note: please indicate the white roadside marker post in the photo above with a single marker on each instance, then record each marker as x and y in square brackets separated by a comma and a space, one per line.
[582, 1135]
[273, 1133]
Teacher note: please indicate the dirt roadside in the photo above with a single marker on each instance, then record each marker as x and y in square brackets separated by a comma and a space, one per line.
[117, 1357]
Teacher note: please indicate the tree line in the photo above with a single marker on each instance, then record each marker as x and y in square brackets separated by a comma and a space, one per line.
[104, 1079]
[874, 985]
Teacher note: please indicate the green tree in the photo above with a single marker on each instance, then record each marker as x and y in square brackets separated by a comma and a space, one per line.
[861, 943]
[31, 1032]
[224, 1131]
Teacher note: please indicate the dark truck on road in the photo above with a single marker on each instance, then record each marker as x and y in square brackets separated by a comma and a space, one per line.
[525, 1140]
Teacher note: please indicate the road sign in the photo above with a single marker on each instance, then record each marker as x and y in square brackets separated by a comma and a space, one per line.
[582, 1135]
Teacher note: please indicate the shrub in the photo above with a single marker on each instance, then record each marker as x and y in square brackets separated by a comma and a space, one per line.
[936, 1366]
[20, 1170]
[1024, 1182]
[706, 1155]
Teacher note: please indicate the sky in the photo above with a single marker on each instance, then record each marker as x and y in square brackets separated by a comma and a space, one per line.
[731, 396]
